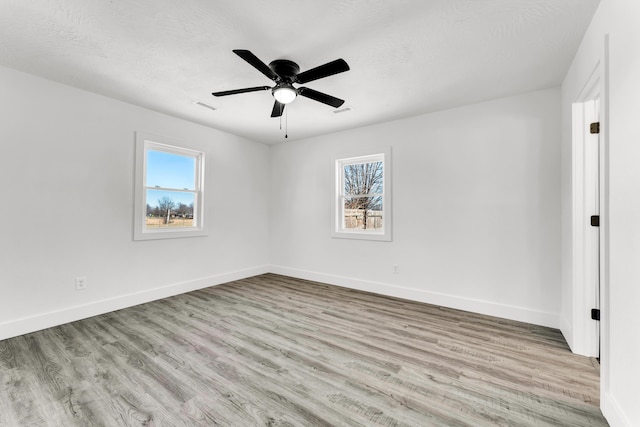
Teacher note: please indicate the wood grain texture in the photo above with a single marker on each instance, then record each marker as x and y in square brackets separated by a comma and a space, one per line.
[276, 351]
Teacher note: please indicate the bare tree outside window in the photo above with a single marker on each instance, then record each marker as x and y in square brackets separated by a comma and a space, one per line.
[165, 204]
[169, 213]
[363, 195]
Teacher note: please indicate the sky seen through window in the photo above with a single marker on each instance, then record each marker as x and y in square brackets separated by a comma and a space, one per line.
[168, 170]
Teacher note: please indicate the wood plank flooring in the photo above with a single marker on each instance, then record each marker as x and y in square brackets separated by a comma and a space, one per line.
[277, 351]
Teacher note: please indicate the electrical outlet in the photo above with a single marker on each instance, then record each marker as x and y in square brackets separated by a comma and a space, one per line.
[396, 269]
[81, 283]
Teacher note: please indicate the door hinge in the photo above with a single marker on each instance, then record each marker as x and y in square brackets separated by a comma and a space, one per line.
[595, 220]
[595, 313]
[594, 127]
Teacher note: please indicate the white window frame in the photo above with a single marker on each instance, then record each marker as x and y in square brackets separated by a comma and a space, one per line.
[338, 230]
[144, 143]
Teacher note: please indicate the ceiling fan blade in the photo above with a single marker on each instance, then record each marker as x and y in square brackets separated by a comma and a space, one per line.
[245, 90]
[320, 97]
[256, 63]
[328, 69]
[278, 109]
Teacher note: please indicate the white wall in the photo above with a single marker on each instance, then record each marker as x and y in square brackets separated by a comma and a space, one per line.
[476, 209]
[621, 340]
[66, 170]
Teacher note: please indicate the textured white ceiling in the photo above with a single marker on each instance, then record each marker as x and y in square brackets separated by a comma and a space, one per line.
[407, 57]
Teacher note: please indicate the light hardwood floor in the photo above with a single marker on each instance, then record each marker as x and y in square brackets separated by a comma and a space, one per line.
[277, 351]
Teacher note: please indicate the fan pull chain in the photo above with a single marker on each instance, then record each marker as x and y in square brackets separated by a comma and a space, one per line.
[286, 123]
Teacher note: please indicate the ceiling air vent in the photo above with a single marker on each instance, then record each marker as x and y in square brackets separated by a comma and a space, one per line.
[202, 104]
[342, 110]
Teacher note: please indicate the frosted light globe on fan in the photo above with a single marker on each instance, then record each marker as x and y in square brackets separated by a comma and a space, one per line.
[284, 93]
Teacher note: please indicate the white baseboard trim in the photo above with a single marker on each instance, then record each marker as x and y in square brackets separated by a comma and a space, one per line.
[70, 314]
[567, 331]
[521, 314]
[612, 412]
[30, 324]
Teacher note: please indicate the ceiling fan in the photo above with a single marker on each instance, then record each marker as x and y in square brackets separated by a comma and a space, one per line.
[285, 73]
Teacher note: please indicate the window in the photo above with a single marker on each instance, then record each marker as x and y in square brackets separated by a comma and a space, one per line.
[362, 208]
[169, 189]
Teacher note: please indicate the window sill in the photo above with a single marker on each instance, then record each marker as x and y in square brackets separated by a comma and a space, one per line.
[362, 235]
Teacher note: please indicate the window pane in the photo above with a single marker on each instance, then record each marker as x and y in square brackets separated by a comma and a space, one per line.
[169, 209]
[361, 203]
[363, 178]
[170, 170]
[363, 213]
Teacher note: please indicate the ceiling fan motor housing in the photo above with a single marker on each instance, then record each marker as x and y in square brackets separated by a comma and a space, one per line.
[286, 69]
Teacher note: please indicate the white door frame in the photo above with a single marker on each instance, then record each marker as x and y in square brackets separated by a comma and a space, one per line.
[588, 168]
